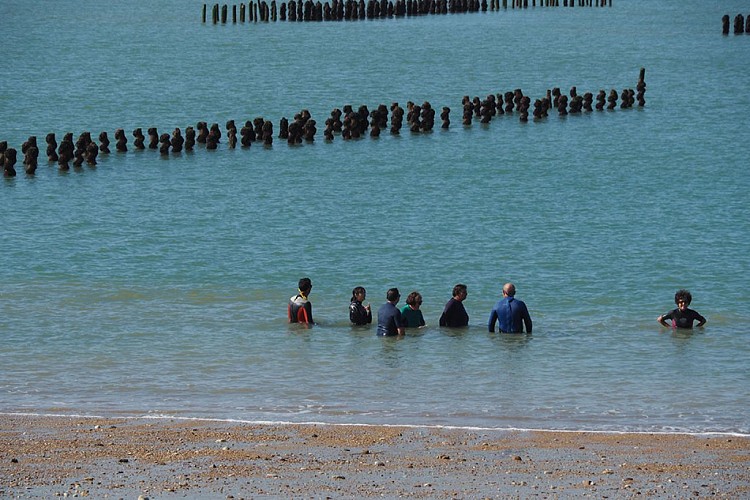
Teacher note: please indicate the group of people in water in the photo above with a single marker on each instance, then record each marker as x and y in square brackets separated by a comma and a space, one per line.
[510, 314]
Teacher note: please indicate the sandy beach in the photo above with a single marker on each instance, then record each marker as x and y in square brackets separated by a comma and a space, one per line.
[43, 457]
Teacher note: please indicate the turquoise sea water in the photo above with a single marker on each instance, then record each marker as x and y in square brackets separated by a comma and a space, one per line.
[158, 286]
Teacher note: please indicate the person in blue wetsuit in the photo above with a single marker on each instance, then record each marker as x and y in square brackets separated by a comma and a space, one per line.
[510, 313]
[389, 317]
[359, 314]
[682, 317]
[454, 313]
[299, 309]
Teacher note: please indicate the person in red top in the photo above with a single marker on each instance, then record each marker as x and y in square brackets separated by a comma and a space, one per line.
[299, 309]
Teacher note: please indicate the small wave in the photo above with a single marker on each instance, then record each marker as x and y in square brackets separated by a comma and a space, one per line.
[403, 426]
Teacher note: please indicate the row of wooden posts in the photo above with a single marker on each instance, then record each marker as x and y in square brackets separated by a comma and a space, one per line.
[741, 25]
[347, 123]
[307, 10]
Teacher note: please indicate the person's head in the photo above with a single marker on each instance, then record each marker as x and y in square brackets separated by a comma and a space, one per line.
[304, 286]
[509, 290]
[393, 295]
[683, 298]
[414, 300]
[359, 293]
[460, 292]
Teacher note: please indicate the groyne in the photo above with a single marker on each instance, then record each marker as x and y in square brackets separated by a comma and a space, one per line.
[346, 122]
[352, 10]
[741, 24]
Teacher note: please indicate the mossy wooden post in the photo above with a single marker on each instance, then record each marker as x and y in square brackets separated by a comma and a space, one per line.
[203, 16]
[273, 11]
[215, 13]
[242, 12]
[250, 17]
[224, 14]
[505, 4]
[739, 24]
[234, 14]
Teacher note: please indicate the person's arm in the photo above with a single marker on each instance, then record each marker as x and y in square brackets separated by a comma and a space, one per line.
[663, 319]
[701, 319]
[400, 322]
[492, 321]
[421, 319]
[308, 309]
[464, 316]
[369, 313]
[527, 319]
[354, 313]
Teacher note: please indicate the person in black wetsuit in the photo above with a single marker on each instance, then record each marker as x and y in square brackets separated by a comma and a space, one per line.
[299, 308]
[359, 314]
[454, 314]
[682, 317]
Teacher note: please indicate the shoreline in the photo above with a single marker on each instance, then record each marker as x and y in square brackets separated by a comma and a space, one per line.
[282, 423]
[43, 456]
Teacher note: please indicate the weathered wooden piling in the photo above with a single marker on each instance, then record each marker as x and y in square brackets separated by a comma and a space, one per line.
[121, 144]
[641, 88]
[10, 157]
[739, 24]
[203, 14]
[51, 147]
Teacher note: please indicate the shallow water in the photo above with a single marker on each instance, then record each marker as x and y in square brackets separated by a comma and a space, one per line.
[158, 286]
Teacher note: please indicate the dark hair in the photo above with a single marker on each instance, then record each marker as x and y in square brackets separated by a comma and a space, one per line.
[305, 284]
[458, 289]
[356, 290]
[683, 294]
[413, 298]
[392, 295]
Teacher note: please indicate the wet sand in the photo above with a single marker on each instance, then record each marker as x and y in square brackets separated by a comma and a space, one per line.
[44, 457]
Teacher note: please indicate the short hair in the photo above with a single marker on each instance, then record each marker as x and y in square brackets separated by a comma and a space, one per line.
[413, 298]
[509, 289]
[458, 289]
[305, 285]
[683, 294]
[392, 295]
[356, 290]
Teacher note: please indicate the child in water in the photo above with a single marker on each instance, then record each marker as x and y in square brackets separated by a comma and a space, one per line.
[411, 314]
[682, 317]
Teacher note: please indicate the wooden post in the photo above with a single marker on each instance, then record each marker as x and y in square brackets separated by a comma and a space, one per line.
[234, 14]
[203, 16]
[242, 12]
[215, 13]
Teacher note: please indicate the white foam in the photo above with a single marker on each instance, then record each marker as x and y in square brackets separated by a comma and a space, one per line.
[403, 426]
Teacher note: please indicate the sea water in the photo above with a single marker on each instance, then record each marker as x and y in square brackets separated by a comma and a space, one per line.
[152, 285]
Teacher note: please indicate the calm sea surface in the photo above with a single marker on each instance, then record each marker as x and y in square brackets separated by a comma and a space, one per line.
[158, 286]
